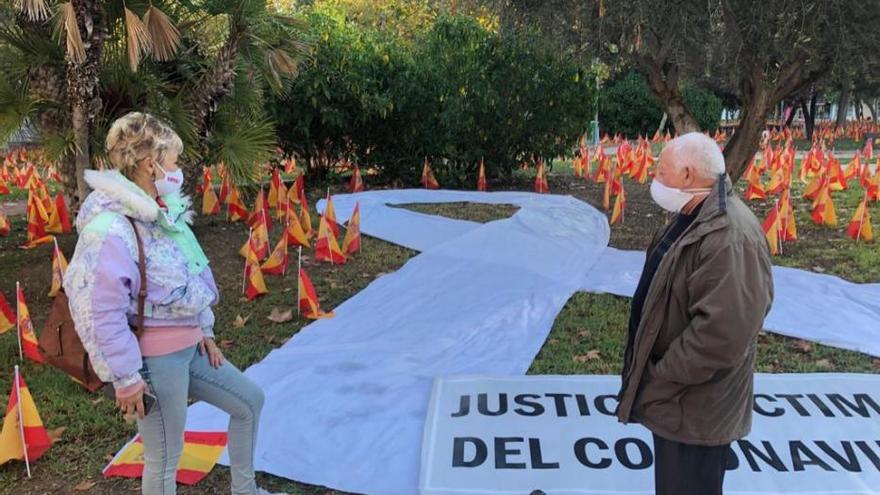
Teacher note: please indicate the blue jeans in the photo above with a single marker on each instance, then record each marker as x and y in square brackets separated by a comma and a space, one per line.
[173, 378]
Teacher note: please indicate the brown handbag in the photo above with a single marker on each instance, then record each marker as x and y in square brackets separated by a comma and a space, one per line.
[60, 344]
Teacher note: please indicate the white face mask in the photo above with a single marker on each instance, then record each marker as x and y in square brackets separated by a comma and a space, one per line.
[171, 183]
[672, 199]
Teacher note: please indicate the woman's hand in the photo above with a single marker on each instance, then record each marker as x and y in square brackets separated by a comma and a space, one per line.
[131, 405]
[215, 356]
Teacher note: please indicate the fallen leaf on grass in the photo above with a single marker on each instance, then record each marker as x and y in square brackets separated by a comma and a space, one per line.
[803, 346]
[279, 316]
[824, 363]
[226, 344]
[589, 356]
[239, 322]
[55, 435]
[85, 485]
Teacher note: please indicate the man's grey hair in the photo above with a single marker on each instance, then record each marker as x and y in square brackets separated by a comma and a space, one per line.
[700, 152]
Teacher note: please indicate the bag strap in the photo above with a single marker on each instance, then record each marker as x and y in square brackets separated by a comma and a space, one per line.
[142, 293]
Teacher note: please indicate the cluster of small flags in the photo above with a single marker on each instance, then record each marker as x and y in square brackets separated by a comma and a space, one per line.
[823, 174]
[291, 208]
[46, 214]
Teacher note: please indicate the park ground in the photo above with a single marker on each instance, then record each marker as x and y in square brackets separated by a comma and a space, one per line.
[586, 338]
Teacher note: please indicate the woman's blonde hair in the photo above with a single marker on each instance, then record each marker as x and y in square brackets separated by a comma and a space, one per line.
[136, 136]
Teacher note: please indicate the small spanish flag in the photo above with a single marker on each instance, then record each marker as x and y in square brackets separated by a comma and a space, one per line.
[210, 202]
[260, 212]
[352, 241]
[330, 215]
[224, 185]
[63, 213]
[276, 263]
[201, 450]
[481, 178]
[296, 236]
[619, 205]
[59, 266]
[257, 244]
[772, 227]
[27, 339]
[823, 208]
[428, 180]
[207, 180]
[308, 300]
[860, 226]
[786, 215]
[356, 184]
[541, 179]
[275, 186]
[254, 285]
[7, 316]
[23, 436]
[4, 225]
[326, 246]
[290, 166]
[235, 208]
[4, 188]
[305, 219]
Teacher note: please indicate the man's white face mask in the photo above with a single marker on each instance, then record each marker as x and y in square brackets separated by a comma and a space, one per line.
[672, 199]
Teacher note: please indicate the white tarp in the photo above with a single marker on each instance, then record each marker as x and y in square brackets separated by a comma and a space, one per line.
[346, 397]
[813, 434]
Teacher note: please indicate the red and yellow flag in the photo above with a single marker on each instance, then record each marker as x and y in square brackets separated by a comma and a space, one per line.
[823, 208]
[276, 263]
[210, 202]
[59, 266]
[254, 285]
[257, 244]
[619, 205]
[326, 246]
[772, 226]
[7, 316]
[201, 451]
[296, 236]
[207, 180]
[28, 343]
[481, 178]
[305, 218]
[860, 226]
[309, 306]
[37, 217]
[260, 212]
[235, 209]
[356, 184]
[428, 180]
[4, 188]
[786, 216]
[290, 166]
[23, 436]
[61, 214]
[275, 185]
[330, 215]
[4, 225]
[224, 185]
[352, 241]
[541, 179]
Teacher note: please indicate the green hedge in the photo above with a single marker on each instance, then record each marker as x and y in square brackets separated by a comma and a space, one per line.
[627, 106]
[458, 93]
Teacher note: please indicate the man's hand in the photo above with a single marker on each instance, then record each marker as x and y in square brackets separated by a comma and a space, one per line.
[215, 356]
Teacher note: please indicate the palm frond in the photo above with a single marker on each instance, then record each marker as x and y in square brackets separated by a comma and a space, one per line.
[137, 40]
[15, 107]
[163, 33]
[242, 144]
[76, 50]
[35, 10]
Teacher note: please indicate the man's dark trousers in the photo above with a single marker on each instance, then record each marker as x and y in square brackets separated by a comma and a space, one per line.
[681, 469]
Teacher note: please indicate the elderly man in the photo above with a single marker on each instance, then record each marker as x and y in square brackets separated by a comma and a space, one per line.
[705, 289]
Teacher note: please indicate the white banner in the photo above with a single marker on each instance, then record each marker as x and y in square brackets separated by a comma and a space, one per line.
[812, 434]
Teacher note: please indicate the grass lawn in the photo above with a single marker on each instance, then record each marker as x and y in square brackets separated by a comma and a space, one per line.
[587, 337]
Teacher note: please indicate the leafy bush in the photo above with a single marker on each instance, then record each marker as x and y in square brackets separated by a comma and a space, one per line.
[457, 94]
[627, 106]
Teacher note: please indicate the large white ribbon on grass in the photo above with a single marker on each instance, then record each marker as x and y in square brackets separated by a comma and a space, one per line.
[346, 398]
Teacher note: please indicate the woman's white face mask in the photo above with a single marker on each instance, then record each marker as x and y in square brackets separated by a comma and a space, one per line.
[170, 183]
[673, 199]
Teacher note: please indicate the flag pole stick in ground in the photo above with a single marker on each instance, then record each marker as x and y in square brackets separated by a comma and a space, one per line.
[298, 272]
[27, 461]
[18, 321]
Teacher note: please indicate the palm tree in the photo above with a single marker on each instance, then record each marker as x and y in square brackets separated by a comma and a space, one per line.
[167, 58]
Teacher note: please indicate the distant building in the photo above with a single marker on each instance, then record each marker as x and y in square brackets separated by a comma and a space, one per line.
[25, 137]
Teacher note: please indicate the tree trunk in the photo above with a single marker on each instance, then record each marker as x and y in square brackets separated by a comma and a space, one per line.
[872, 108]
[663, 81]
[809, 115]
[743, 145]
[842, 106]
[82, 85]
[859, 112]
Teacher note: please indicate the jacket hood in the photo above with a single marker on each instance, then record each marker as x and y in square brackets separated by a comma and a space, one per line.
[111, 191]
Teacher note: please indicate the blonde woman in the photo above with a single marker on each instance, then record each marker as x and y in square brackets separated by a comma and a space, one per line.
[176, 357]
